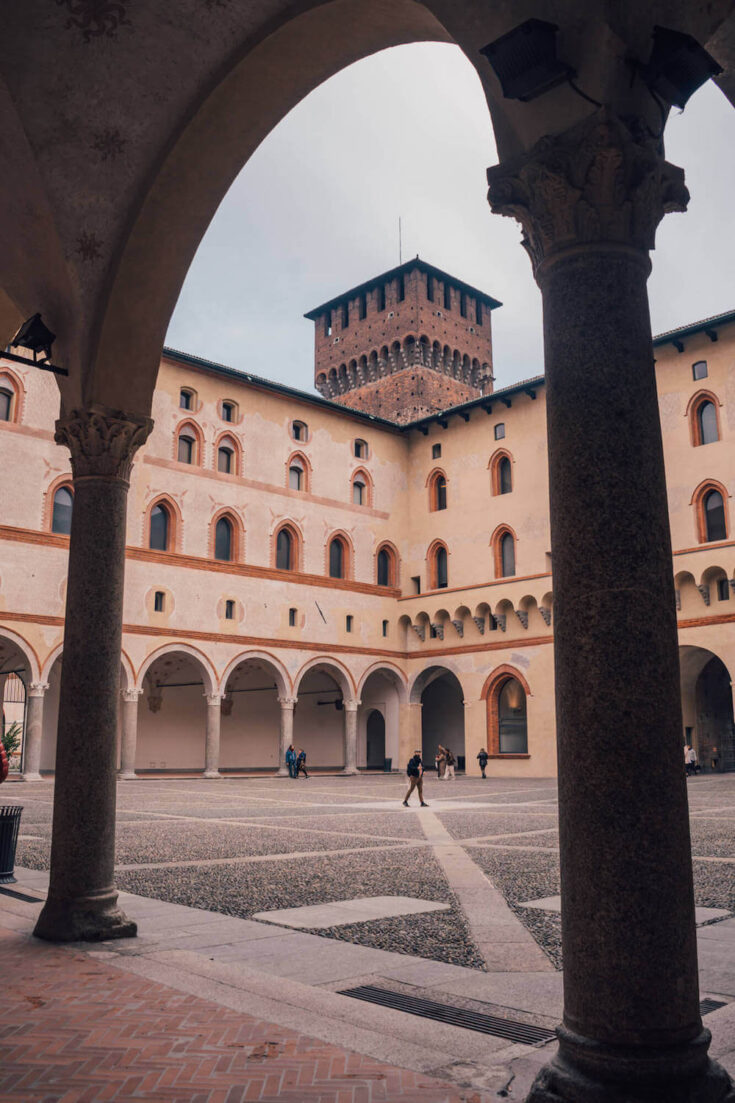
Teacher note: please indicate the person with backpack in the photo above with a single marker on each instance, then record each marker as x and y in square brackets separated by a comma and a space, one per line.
[415, 772]
[301, 763]
[291, 761]
[482, 759]
[449, 765]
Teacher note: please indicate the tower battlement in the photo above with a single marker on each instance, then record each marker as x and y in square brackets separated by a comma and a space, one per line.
[409, 342]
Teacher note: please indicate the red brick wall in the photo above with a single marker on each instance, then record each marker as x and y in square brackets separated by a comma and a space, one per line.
[408, 395]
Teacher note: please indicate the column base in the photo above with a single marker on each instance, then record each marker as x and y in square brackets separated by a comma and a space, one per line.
[212, 774]
[84, 919]
[349, 771]
[282, 771]
[127, 775]
[31, 777]
[584, 1071]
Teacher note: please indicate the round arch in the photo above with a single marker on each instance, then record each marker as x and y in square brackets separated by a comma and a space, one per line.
[430, 673]
[491, 691]
[395, 673]
[281, 675]
[208, 671]
[26, 649]
[66, 482]
[335, 669]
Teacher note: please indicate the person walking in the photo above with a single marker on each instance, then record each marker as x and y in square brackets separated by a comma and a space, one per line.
[441, 760]
[291, 761]
[482, 759]
[301, 763]
[415, 772]
[450, 763]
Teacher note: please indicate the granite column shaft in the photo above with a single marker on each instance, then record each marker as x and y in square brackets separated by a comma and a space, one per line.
[33, 731]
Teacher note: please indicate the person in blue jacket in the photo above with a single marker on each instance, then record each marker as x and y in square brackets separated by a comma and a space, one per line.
[291, 761]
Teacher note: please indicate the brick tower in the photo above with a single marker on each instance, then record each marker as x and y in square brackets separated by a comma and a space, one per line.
[405, 344]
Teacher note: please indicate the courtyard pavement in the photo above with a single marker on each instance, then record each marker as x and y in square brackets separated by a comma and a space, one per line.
[260, 901]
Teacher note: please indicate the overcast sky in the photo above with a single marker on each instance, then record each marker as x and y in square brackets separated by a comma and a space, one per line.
[406, 132]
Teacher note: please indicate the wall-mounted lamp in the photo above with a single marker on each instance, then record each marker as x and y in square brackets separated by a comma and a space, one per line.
[524, 60]
[678, 66]
[37, 337]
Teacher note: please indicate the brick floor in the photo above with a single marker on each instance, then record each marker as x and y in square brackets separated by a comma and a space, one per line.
[76, 1030]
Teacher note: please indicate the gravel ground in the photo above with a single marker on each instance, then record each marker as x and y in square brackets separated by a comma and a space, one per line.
[712, 839]
[470, 825]
[379, 824]
[714, 884]
[242, 890]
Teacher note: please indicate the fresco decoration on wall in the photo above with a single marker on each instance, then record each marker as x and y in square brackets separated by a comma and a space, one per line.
[89, 246]
[95, 18]
[109, 143]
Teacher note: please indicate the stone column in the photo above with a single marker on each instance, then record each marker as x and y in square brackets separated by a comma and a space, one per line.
[589, 201]
[33, 731]
[129, 740]
[82, 899]
[211, 746]
[286, 737]
[350, 736]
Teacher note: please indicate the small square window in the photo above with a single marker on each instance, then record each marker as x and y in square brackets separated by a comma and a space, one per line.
[416, 581]
[723, 589]
[159, 599]
[348, 623]
[292, 618]
[699, 370]
[360, 449]
[228, 411]
[436, 451]
[185, 400]
[229, 610]
[299, 430]
[385, 627]
[500, 430]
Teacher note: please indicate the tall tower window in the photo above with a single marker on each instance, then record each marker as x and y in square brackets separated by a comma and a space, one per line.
[447, 296]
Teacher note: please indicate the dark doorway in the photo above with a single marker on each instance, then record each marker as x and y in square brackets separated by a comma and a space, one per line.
[715, 728]
[375, 741]
[442, 716]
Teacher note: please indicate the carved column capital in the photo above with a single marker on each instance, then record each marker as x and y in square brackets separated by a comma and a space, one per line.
[287, 702]
[37, 689]
[352, 706]
[102, 442]
[598, 183]
[214, 698]
[131, 695]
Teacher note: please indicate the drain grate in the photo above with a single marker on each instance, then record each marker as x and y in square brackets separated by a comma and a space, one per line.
[21, 896]
[708, 1005]
[454, 1016]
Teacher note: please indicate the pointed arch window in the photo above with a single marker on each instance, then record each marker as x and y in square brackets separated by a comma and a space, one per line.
[6, 403]
[186, 451]
[715, 525]
[160, 528]
[507, 555]
[512, 718]
[707, 423]
[296, 475]
[386, 567]
[505, 476]
[62, 511]
[437, 491]
[225, 459]
[359, 491]
[337, 558]
[438, 564]
[284, 550]
[223, 540]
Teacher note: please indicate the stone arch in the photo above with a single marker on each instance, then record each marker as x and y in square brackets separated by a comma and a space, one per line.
[281, 675]
[12, 641]
[252, 687]
[336, 670]
[441, 693]
[209, 673]
[707, 707]
[392, 670]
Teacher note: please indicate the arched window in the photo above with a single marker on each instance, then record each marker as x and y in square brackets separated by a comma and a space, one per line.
[386, 567]
[186, 452]
[299, 430]
[507, 555]
[359, 491]
[284, 550]
[223, 539]
[296, 475]
[714, 516]
[337, 558]
[707, 423]
[160, 528]
[505, 476]
[360, 449]
[62, 511]
[437, 490]
[438, 564]
[6, 403]
[225, 459]
[512, 721]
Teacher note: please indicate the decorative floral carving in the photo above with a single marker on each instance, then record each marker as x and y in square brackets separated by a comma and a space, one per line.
[597, 182]
[109, 143]
[96, 17]
[89, 247]
[102, 442]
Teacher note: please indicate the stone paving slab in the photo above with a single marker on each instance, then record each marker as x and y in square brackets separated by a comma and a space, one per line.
[553, 904]
[358, 910]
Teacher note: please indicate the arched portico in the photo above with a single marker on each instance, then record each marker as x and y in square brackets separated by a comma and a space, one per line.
[707, 708]
[178, 688]
[382, 692]
[253, 687]
[21, 697]
[325, 715]
[439, 692]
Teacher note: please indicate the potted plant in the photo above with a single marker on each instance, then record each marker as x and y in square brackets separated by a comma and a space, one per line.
[9, 814]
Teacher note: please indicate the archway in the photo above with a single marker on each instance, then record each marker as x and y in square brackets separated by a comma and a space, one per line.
[172, 711]
[707, 708]
[17, 670]
[442, 713]
[319, 718]
[249, 733]
[381, 691]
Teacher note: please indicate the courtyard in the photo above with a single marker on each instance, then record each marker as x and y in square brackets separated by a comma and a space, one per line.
[283, 900]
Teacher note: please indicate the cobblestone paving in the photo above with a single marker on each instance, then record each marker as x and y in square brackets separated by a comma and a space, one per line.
[74, 1029]
[285, 843]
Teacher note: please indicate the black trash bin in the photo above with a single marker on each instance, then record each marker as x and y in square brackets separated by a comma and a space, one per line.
[387, 765]
[9, 825]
